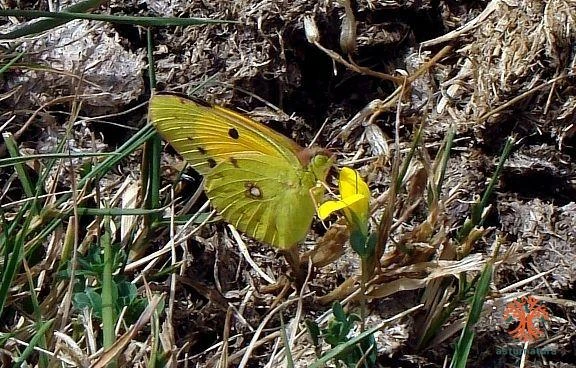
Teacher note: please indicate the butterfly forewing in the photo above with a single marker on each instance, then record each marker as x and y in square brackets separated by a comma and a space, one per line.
[207, 135]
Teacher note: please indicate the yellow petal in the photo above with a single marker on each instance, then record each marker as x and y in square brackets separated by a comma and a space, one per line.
[351, 183]
[347, 182]
[330, 207]
[353, 199]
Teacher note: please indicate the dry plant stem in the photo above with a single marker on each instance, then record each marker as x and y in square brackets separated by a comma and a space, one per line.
[299, 311]
[359, 69]
[238, 354]
[427, 65]
[397, 95]
[110, 354]
[32, 118]
[293, 258]
[520, 97]
[388, 214]
[226, 335]
[396, 80]
[173, 277]
[493, 5]
[67, 302]
[363, 280]
[254, 342]
[282, 294]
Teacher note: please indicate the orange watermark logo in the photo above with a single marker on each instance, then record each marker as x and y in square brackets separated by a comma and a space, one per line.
[529, 315]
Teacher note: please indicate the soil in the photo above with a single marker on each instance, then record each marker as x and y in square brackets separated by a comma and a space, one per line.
[505, 70]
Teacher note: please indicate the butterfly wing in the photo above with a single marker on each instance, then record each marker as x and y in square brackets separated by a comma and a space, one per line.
[267, 199]
[254, 176]
[207, 135]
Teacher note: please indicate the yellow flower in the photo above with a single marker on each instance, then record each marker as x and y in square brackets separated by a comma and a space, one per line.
[354, 200]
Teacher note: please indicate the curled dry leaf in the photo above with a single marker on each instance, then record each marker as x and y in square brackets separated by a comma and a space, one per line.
[348, 29]
[310, 29]
[329, 248]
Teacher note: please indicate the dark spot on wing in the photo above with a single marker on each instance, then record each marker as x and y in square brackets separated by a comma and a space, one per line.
[253, 191]
[233, 133]
[234, 162]
[211, 162]
[201, 150]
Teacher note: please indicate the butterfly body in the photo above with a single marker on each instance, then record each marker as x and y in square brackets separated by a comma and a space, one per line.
[258, 180]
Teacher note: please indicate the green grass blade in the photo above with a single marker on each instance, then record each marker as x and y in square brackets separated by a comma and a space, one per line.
[478, 208]
[11, 161]
[33, 343]
[467, 337]
[13, 253]
[43, 359]
[150, 55]
[506, 152]
[408, 159]
[49, 218]
[350, 344]
[444, 160]
[286, 342]
[11, 62]
[108, 315]
[152, 153]
[59, 18]
[124, 151]
[45, 24]
[27, 185]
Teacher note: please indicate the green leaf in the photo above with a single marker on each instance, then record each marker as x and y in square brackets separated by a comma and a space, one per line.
[338, 311]
[89, 298]
[127, 293]
[314, 331]
[358, 243]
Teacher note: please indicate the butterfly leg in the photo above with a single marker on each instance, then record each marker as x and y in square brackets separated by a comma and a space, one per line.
[316, 193]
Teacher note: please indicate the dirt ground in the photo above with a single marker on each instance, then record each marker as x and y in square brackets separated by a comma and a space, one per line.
[486, 70]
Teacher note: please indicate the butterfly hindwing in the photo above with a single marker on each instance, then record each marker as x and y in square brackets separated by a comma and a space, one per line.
[267, 200]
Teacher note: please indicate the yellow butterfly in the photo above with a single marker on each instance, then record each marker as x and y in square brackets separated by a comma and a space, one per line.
[257, 179]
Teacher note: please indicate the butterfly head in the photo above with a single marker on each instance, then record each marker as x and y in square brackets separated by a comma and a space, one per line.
[318, 160]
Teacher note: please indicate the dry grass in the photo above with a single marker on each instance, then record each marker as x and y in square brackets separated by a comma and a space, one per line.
[106, 272]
